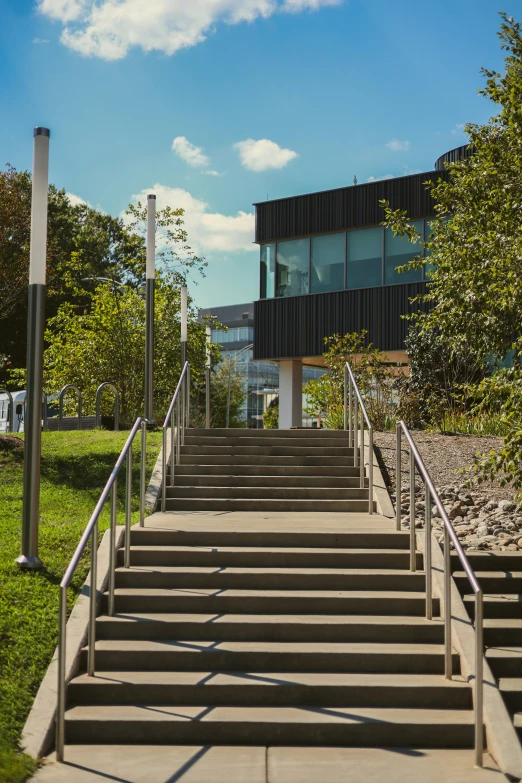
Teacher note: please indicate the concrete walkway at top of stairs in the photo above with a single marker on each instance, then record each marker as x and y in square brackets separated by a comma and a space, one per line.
[270, 521]
[186, 764]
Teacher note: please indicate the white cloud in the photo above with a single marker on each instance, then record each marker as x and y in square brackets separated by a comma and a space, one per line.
[208, 232]
[76, 200]
[40, 40]
[459, 127]
[188, 152]
[213, 173]
[109, 28]
[263, 154]
[377, 179]
[398, 146]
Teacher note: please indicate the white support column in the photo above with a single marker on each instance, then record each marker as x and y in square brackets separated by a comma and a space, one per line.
[290, 394]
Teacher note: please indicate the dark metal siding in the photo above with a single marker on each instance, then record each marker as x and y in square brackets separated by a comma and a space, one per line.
[466, 151]
[296, 326]
[345, 208]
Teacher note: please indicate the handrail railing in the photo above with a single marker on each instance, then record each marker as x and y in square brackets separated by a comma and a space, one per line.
[91, 533]
[116, 404]
[60, 404]
[10, 419]
[178, 416]
[354, 410]
[431, 494]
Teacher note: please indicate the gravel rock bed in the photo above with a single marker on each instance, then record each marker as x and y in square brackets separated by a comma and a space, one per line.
[484, 517]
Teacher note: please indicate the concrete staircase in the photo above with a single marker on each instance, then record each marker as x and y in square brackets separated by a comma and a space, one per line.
[266, 470]
[500, 575]
[269, 638]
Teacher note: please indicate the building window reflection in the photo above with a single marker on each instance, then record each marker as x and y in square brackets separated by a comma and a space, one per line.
[327, 266]
[398, 251]
[292, 267]
[268, 271]
[364, 258]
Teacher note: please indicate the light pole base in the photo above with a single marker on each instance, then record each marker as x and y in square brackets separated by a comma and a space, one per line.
[29, 563]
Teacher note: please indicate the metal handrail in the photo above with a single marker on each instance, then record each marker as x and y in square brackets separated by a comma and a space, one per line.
[60, 404]
[10, 419]
[91, 532]
[353, 403]
[431, 494]
[116, 404]
[178, 416]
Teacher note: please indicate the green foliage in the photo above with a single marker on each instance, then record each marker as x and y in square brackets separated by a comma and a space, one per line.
[106, 342]
[271, 415]
[75, 467]
[374, 378]
[226, 376]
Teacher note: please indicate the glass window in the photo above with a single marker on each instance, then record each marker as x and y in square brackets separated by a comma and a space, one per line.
[292, 267]
[267, 271]
[364, 258]
[328, 263]
[398, 251]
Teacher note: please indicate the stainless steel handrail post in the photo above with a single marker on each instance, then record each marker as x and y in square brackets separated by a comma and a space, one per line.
[112, 544]
[172, 448]
[128, 507]
[361, 464]
[479, 678]
[62, 652]
[398, 478]
[427, 553]
[350, 414]
[355, 432]
[345, 397]
[448, 662]
[370, 470]
[92, 602]
[188, 397]
[178, 430]
[413, 558]
[164, 469]
[143, 471]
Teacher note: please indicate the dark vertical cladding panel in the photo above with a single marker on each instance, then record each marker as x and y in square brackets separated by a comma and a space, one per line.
[345, 208]
[297, 326]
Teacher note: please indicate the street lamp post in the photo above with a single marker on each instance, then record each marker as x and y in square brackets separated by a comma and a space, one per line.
[149, 307]
[207, 376]
[35, 338]
[184, 330]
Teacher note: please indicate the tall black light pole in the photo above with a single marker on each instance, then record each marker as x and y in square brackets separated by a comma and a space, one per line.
[149, 304]
[35, 338]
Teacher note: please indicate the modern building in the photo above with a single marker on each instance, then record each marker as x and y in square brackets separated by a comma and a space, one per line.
[327, 266]
[261, 378]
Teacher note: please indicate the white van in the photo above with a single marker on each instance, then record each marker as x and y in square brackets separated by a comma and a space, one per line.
[19, 410]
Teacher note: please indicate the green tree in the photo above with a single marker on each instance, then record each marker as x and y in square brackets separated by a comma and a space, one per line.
[224, 375]
[107, 343]
[271, 415]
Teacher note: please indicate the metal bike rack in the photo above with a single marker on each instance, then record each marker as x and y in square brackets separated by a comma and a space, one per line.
[60, 404]
[116, 404]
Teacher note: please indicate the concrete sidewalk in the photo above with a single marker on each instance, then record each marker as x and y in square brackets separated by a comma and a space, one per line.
[164, 764]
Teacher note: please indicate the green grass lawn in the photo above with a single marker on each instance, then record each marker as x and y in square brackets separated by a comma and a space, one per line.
[75, 467]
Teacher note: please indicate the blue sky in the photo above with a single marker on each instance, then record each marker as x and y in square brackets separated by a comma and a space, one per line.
[264, 97]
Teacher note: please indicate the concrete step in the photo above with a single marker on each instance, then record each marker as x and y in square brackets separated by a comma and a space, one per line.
[502, 632]
[202, 452]
[193, 655]
[269, 726]
[231, 432]
[492, 581]
[425, 691]
[507, 605]
[270, 492]
[490, 561]
[270, 578]
[227, 601]
[275, 557]
[232, 504]
[505, 661]
[265, 442]
[230, 480]
[268, 469]
[260, 460]
[386, 539]
[270, 628]
[511, 689]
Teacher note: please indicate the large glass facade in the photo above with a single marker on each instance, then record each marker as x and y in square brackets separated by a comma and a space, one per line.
[364, 258]
[398, 251]
[327, 263]
[361, 258]
[292, 267]
[234, 335]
